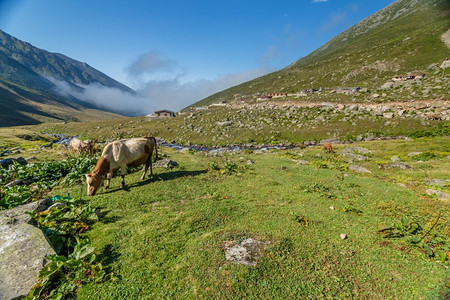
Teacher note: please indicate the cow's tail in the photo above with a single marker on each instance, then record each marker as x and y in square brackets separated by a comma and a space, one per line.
[155, 146]
[156, 149]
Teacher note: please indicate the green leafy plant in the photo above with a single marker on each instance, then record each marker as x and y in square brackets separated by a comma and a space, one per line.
[75, 263]
[301, 219]
[429, 242]
[63, 275]
[38, 178]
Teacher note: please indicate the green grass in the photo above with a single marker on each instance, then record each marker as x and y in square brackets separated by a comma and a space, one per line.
[164, 237]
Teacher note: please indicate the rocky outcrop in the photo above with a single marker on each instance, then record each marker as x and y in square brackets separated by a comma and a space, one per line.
[23, 248]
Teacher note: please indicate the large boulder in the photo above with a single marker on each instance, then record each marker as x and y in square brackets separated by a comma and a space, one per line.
[23, 249]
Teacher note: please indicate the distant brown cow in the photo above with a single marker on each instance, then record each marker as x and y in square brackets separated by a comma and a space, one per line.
[328, 148]
[119, 155]
[436, 117]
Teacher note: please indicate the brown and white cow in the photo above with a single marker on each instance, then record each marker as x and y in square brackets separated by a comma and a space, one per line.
[119, 155]
[78, 146]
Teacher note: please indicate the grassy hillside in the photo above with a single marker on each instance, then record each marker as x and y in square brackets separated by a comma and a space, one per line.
[27, 96]
[402, 38]
[265, 124]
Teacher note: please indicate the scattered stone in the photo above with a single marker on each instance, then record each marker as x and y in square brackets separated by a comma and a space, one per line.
[246, 252]
[9, 161]
[398, 165]
[437, 182]
[165, 163]
[395, 158]
[402, 185]
[352, 150]
[375, 95]
[358, 169]
[330, 141]
[302, 162]
[23, 248]
[30, 158]
[414, 153]
[343, 236]
[332, 207]
[283, 168]
[441, 195]
[250, 162]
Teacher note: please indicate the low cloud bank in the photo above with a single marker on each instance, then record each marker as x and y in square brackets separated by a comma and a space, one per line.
[108, 98]
[160, 86]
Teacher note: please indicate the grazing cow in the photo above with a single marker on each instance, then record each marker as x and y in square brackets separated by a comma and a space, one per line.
[328, 148]
[78, 146]
[119, 155]
[436, 117]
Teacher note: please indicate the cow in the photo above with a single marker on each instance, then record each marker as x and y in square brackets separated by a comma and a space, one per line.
[328, 148]
[78, 146]
[119, 155]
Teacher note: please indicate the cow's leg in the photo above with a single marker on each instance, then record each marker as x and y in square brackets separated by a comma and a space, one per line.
[123, 172]
[148, 163]
[108, 179]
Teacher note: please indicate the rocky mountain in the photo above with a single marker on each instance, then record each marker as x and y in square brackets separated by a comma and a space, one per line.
[405, 37]
[28, 90]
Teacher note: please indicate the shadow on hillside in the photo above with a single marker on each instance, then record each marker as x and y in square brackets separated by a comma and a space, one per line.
[108, 219]
[176, 174]
[108, 255]
[165, 176]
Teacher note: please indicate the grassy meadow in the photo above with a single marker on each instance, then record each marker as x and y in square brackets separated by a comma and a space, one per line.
[164, 237]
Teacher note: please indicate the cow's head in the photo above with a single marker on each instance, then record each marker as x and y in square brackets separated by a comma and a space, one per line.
[93, 182]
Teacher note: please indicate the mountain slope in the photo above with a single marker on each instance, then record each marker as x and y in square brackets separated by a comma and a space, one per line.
[28, 94]
[403, 37]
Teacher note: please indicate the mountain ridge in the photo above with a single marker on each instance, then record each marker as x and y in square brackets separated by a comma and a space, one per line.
[29, 89]
[403, 37]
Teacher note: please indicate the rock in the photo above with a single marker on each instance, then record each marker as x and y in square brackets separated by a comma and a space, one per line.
[358, 169]
[30, 158]
[330, 141]
[302, 162]
[352, 150]
[9, 161]
[23, 248]
[439, 194]
[437, 182]
[250, 162]
[15, 182]
[224, 123]
[388, 115]
[387, 85]
[332, 207]
[246, 252]
[375, 95]
[165, 163]
[395, 158]
[283, 168]
[414, 153]
[398, 165]
[343, 236]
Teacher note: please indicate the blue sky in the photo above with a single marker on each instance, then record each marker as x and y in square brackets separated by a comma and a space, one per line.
[176, 52]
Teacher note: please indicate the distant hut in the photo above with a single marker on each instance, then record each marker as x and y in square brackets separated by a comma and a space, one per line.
[165, 113]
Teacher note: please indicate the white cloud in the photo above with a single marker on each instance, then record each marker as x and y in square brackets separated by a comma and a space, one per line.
[106, 97]
[152, 64]
[318, 1]
[174, 94]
